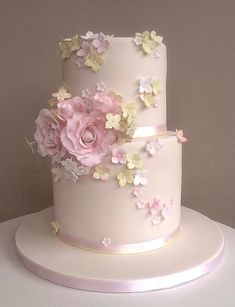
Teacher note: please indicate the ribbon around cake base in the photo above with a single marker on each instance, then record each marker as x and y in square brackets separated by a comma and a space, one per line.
[118, 248]
[149, 131]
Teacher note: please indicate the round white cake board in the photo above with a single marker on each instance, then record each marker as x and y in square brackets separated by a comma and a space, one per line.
[196, 251]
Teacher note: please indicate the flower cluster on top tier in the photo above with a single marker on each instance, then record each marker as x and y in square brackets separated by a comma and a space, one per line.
[89, 49]
[83, 127]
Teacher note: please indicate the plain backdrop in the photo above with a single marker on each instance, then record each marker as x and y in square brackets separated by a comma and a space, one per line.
[200, 90]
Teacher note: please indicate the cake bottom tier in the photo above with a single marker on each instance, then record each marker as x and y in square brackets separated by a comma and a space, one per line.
[141, 215]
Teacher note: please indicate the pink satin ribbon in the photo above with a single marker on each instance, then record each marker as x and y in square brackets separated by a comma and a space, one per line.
[133, 285]
[118, 248]
[149, 131]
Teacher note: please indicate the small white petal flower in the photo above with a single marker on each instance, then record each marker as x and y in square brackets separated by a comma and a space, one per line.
[105, 241]
[155, 220]
[70, 175]
[100, 87]
[145, 85]
[89, 35]
[140, 178]
[69, 164]
[140, 204]
[157, 53]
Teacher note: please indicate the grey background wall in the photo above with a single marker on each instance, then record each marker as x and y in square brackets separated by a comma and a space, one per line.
[200, 90]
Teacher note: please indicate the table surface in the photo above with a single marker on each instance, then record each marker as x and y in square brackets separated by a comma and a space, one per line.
[19, 287]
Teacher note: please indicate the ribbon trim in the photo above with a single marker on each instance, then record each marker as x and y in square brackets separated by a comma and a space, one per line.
[118, 248]
[149, 131]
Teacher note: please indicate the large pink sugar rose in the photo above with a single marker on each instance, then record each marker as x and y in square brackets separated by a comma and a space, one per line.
[47, 135]
[67, 108]
[86, 138]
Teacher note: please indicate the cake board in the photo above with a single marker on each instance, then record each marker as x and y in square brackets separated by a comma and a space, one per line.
[196, 251]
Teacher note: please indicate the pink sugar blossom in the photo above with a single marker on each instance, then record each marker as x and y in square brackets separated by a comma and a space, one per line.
[155, 206]
[84, 50]
[100, 43]
[152, 147]
[118, 156]
[68, 107]
[136, 192]
[86, 138]
[47, 135]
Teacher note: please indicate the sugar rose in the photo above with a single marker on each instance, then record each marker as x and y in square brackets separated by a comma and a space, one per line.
[86, 138]
[47, 135]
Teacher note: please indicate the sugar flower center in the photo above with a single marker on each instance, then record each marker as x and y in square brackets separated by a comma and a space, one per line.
[88, 136]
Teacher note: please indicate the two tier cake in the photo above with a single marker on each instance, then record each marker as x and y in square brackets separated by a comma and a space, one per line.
[116, 169]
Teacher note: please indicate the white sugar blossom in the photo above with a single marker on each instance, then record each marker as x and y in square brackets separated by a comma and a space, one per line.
[106, 241]
[89, 35]
[155, 220]
[140, 178]
[69, 164]
[70, 175]
[157, 53]
[100, 87]
[140, 204]
[75, 168]
[70, 170]
[145, 85]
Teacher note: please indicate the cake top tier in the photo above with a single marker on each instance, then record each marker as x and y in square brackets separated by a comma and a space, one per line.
[132, 67]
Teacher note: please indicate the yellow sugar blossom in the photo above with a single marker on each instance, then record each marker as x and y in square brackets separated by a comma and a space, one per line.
[157, 87]
[94, 61]
[128, 112]
[55, 227]
[147, 40]
[113, 121]
[52, 102]
[68, 45]
[148, 99]
[75, 43]
[125, 177]
[61, 94]
[133, 161]
[101, 172]
[117, 96]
